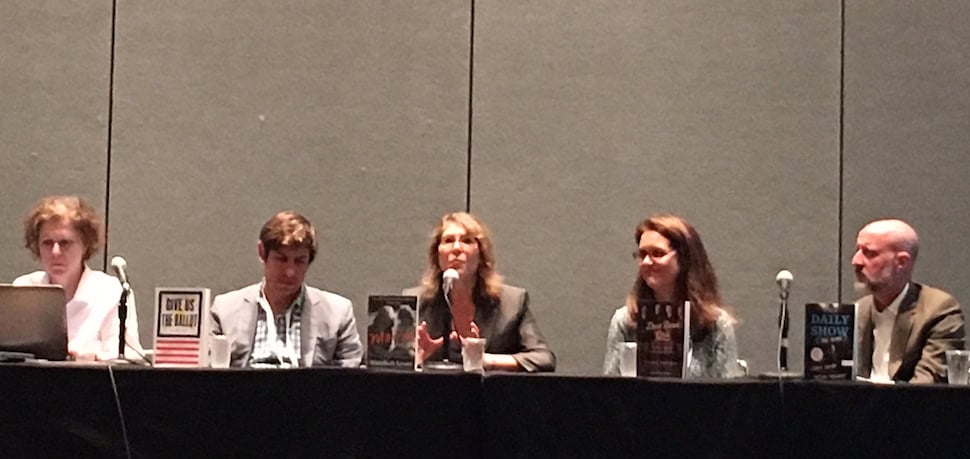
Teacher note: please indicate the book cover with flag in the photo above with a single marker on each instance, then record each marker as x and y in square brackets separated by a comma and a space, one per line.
[182, 327]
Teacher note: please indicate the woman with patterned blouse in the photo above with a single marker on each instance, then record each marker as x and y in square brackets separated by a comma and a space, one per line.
[673, 267]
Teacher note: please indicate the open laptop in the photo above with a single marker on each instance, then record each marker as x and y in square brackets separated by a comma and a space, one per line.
[32, 321]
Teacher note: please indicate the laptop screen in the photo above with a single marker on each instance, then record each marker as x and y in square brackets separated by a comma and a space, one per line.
[32, 320]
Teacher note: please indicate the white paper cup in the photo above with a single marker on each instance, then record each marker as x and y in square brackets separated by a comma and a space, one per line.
[628, 359]
[473, 353]
[219, 351]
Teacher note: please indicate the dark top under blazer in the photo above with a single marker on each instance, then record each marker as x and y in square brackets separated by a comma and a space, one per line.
[507, 326]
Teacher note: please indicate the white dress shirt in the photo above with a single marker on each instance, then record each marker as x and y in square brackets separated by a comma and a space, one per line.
[882, 336]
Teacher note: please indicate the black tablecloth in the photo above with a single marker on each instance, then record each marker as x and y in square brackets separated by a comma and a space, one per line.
[241, 413]
[624, 417]
[72, 411]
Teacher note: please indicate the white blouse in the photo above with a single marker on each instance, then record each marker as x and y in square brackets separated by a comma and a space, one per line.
[92, 315]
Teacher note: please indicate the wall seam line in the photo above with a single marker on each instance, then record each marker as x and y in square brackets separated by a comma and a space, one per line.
[111, 90]
[471, 82]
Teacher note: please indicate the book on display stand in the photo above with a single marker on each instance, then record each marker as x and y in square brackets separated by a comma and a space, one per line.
[391, 331]
[182, 327]
[830, 341]
[663, 339]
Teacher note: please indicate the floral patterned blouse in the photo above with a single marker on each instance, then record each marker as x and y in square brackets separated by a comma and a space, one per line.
[716, 356]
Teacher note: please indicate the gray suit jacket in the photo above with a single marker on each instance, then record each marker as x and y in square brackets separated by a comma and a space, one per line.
[929, 323]
[507, 326]
[328, 331]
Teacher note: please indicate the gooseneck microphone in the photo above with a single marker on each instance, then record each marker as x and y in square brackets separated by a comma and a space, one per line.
[448, 279]
[784, 280]
[120, 267]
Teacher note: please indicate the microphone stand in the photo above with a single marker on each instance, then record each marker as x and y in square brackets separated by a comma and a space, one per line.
[782, 372]
[122, 317]
[450, 320]
[445, 365]
[783, 339]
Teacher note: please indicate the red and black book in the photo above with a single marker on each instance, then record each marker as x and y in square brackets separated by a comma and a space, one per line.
[391, 329]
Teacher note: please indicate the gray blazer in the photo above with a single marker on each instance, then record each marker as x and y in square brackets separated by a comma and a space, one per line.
[507, 326]
[328, 331]
[929, 322]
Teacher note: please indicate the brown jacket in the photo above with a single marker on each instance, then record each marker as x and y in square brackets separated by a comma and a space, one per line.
[929, 323]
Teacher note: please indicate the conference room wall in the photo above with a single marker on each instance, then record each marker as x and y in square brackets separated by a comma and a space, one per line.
[907, 131]
[354, 113]
[357, 114]
[590, 117]
[55, 61]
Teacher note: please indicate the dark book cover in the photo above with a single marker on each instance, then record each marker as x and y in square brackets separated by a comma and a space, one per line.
[391, 329]
[830, 341]
[663, 339]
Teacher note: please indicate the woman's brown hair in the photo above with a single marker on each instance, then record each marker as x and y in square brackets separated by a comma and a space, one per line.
[696, 281]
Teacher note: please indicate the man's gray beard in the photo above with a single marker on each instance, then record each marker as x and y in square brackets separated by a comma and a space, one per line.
[862, 287]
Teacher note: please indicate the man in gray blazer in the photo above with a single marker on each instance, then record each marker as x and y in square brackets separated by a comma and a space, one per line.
[281, 322]
[905, 328]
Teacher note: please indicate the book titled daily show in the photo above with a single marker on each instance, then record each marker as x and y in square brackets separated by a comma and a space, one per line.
[830, 341]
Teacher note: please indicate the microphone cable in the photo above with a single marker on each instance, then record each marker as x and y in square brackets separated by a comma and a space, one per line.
[121, 414]
[783, 317]
[145, 361]
[451, 321]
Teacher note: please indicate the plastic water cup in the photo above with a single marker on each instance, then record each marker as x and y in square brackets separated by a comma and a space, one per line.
[219, 351]
[628, 359]
[957, 366]
[473, 353]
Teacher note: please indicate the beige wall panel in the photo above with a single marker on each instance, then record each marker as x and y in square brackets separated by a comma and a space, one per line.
[354, 113]
[55, 66]
[907, 131]
[588, 117]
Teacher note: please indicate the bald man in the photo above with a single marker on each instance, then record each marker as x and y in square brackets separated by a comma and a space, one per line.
[905, 328]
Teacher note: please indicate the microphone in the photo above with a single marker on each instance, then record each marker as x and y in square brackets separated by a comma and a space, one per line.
[784, 280]
[120, 267]
[449, 277]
